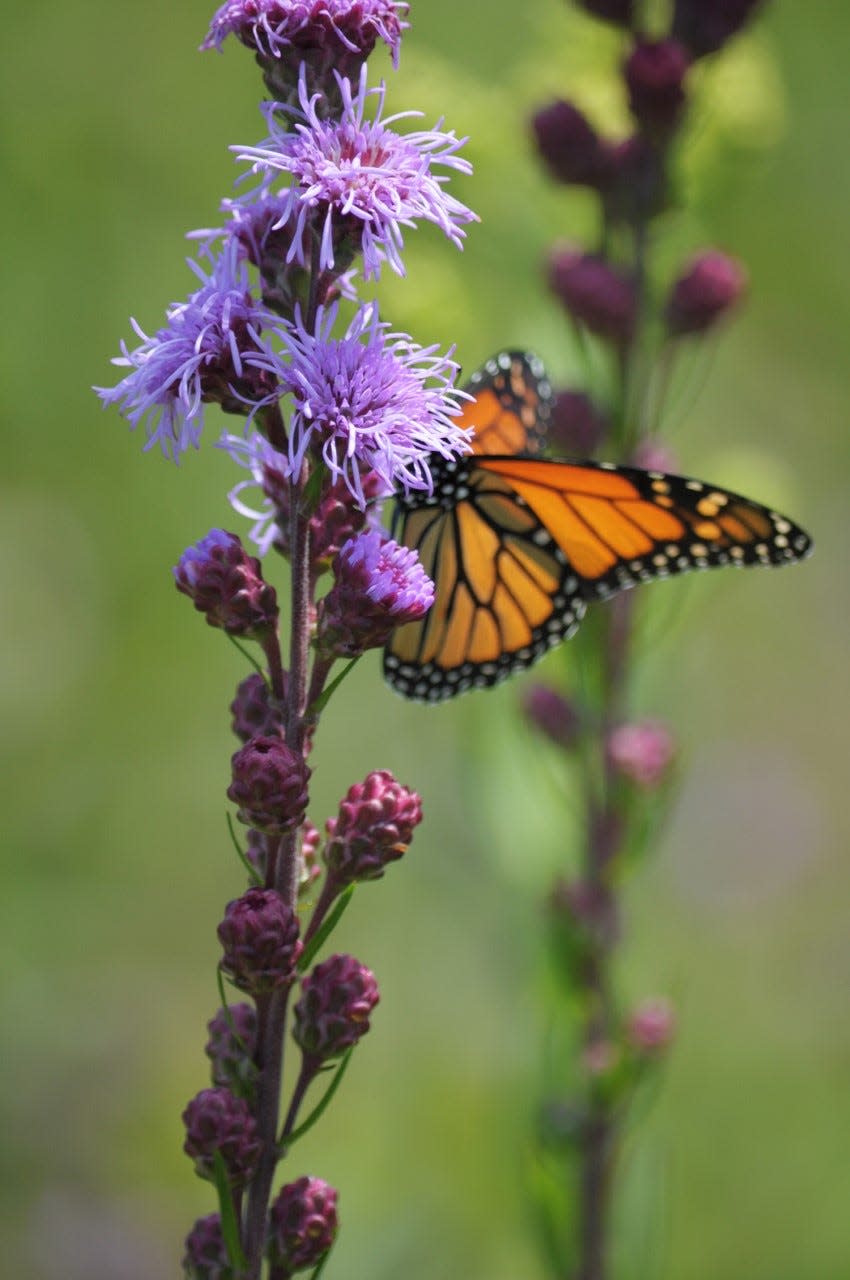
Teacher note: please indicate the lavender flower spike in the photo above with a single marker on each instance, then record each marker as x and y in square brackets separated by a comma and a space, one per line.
[275, 28]
[371, 400]
[207, 351]
[358, 180]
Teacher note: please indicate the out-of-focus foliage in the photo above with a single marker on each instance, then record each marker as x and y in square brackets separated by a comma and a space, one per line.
[114, 694]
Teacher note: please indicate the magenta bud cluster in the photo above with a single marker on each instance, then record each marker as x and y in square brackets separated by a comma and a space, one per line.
[552, 715]
[642, 752]
[206, 1253]
[707, 290]
[217, 1121]
[598, 296]
[270, 785]
[374, 826]
[256, 713]
[333, 1011]
[227, 585]
[231, 1047]
[302, 1225]
[260, 942]
[378, 585]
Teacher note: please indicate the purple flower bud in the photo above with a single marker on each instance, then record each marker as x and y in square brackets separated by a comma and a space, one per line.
[259, 937]
[269, 785]
[596, 295]
[216, 1120]
[333, 1012]
[642, 752]
[379, 586]
[231, 1047]
[655, 77]
[336, 519]
[636, 180]
[302, 1225]
[374, 827]
[576, 427]
[621, 12]
[705, 25]
[255, 712]
[552, 714]
[206, 1253]
[227, 585]
[568, 144]
[651, 1026]
[653, 455]
[706, 291]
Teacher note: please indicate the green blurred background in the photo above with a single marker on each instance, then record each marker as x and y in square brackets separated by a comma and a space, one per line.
[115, 694]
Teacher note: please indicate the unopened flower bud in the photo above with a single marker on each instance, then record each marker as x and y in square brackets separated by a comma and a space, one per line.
[255, 712]
[621, 12]
[226, 584]
[231, 1047]
[302, 1225]
[568, 144]
[335, 520]
[269, 785]
[552, 715]
[642, 752]
[596, 295]
[337, 998]
[706, 291]
[380, 585]
[259, 937]
[651, 1026]
[655, 77]
[374, 827]
[217, 1121]
[705, 25]
[206, 1256]
[576, 427]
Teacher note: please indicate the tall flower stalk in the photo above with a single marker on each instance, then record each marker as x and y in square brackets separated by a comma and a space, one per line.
[639, 323]
[335, 414]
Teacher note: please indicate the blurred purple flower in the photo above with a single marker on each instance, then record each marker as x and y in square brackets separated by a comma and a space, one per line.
[209, 350]
[355, 181]
[709, 287]
[642, 751]
[275, 28]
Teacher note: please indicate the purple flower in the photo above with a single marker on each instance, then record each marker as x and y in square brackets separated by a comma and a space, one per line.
[259, 938]
[651, 1026]
[206, 1253]
[269, 785]
[302, 1225]
[596, 295]
[356, 182]
[209, 350]
[216, 1120]
[333, 1012]
[231, 1046]
[709, 287]
[553, 715]
[370, 400]
[642, 751]
[569, 144]
[227, 585]
[375, 825]
[275, 28]
[380, 585]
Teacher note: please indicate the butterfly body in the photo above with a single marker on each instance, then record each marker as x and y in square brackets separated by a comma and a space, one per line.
[518, 544]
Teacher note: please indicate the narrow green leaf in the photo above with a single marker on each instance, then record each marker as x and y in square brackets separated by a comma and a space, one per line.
[253, 874]
[322, 1106]
[319, 704]
[227, 1212]
[325, 930]
[249, 657]
[312, 491]
[320, 1268]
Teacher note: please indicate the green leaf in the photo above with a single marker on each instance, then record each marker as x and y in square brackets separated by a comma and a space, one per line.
[312, 491]
[249, 657]
[253, 874]
[319, 704]
[227, 1212]
[325, 930]
[321, 1107]
[320, 1268]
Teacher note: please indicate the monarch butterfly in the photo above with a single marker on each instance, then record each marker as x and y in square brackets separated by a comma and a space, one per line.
[518, 545]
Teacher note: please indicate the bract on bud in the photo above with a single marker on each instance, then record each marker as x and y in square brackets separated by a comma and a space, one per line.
[374, 826]
[217, 1121]
[333, 1012]
[597, 295]
[706, 291]
[655, 77]
[269, 785]
[642, 752]
[302, 1225]
[569, 144]
[231, 1046]
[259, 938]
[226, 584]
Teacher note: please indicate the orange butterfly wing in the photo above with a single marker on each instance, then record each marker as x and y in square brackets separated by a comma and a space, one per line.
[517, 545]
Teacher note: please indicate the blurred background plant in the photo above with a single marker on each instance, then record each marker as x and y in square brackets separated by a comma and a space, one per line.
[113, 872]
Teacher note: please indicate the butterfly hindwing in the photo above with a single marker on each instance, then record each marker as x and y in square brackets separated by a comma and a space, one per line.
[510, 407]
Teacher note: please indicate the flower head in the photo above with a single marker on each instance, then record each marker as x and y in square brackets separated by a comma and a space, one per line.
[231, 1046]
[333, 1012]
[206, 1255]
[374, 826]
[279, 28]
[269, 785]
[651, 1026]
[259, 937]
[355, 182]
[227, 585]
[380, 585]
[217, 1121]
[370, 401]
[209, 350]
[569, 145]
[596, 294]
[642, 751]
[705, 25]
[655, 74]
[709, 287]
[302, 1225]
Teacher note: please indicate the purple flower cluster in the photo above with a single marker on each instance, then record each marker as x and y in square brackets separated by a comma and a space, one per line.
[280, 28]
